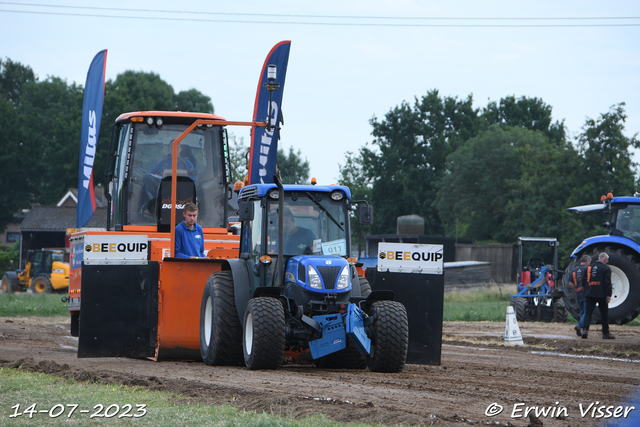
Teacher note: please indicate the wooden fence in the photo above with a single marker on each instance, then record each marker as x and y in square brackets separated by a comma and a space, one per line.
[503, 259]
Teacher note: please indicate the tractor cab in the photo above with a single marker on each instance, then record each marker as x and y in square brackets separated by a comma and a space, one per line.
[315, 237]
[626, 221]
[139, 168]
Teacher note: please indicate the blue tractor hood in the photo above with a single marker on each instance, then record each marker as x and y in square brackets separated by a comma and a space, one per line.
[329, 268]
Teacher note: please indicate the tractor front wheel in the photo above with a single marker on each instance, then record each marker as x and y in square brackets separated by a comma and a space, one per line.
[41, 284]
[389, 336]
[264, 334]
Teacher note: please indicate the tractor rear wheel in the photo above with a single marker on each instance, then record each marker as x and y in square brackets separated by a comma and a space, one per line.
[625, 282]
[518, 305]
[41, 284]
[389, 336]
[365, 287]
[562, 314]
[220, 328]
[7, 286]
[570, 299]
[264, 334]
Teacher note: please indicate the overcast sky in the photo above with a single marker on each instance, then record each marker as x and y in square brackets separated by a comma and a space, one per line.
[349, 60]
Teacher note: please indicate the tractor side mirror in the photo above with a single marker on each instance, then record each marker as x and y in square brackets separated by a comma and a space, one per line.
[245, 210]
[365, 214]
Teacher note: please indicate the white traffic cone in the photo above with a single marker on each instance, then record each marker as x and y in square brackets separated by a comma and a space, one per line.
[512, 334]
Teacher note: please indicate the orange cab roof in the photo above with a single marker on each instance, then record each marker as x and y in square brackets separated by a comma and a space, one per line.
[205, 116]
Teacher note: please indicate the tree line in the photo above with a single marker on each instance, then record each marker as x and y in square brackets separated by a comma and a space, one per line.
[490, 174]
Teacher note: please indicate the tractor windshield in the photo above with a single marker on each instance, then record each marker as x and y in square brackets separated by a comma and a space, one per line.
[314, 223]
[143, 174]
[628, 221]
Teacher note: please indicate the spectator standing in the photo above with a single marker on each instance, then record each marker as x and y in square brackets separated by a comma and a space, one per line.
[598, 291]
[578, 279]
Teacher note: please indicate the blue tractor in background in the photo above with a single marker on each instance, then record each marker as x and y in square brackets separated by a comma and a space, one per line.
[623, 246]
[293, 288]
[538, 298]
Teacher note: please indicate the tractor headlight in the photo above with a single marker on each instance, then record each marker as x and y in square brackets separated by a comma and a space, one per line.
[314, 278]
[343, 280]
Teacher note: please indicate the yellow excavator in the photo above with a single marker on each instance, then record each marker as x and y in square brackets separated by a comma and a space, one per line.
[45, 271]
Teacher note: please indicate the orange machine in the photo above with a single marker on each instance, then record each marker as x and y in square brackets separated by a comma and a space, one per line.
[129, 296]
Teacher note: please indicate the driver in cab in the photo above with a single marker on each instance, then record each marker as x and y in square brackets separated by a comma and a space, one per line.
[297, 240]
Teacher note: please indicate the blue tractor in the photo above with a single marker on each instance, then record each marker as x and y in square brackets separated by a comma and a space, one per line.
[294, 289]
[623, 246]
[538, 297]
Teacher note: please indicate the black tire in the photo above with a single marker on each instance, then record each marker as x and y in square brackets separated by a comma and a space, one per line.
[389, 337]
[518, 305]
[570, 300]
[562, 314]
[365, 287]
[41, 285]
[625, 278]
[264, 334]
[220, 328]
[74, 329]
[7, 286]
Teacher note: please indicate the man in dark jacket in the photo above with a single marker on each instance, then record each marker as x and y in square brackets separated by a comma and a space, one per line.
[598, 291]
[577, 281]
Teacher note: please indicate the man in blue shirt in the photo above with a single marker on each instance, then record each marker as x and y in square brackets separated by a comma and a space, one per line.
[189, 235]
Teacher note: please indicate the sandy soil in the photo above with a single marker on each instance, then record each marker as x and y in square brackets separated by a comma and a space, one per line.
[555, 369]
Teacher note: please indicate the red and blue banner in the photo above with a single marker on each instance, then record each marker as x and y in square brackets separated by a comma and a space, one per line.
[91, 117]
[264, 142]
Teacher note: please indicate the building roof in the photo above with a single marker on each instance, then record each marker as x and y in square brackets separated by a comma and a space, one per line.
[59, 218]
[70, 198]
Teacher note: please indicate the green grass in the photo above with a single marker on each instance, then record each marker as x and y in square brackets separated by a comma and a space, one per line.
[489, 304]
[162, 408]
[23, 304]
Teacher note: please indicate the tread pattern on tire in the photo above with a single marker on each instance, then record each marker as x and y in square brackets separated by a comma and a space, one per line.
[268, 333]
[365, 287]
[389, 337]
[225, 344]
[562, 312]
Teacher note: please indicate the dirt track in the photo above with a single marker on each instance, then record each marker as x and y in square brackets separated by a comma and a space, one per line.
[554, 369]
